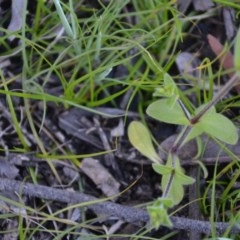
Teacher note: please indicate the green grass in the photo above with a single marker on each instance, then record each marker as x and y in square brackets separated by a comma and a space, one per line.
[79, 46]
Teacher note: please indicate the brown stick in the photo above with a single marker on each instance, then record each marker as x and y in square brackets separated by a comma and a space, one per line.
[128, 214]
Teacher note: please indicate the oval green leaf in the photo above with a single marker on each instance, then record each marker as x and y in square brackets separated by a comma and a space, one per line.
[180, 177]
[176, 191]
[162, 169]
[163, 111]
[140, 138]
[218, 126]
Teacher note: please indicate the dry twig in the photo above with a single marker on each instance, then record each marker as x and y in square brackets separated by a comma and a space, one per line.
[128, 214]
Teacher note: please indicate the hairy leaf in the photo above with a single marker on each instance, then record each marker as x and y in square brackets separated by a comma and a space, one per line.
[169, 89]
[194, 132]
[176, 190]
[158, 212]
[173, 178]
[220, 127]
[216, 125]
[140, 138]
[163, 111]
[162, 169]
[182, 178]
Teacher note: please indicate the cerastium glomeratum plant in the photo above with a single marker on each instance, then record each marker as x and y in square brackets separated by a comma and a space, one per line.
[170, 109]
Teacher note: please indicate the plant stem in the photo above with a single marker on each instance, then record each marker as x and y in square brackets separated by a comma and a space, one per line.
[180, 139]
[178, 143]
[185, 111]
[221, 93]
[169, 185]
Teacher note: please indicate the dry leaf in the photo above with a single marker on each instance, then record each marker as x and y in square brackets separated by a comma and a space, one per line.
[183, 5]
[71, 173]
[226, 59]
[229, 22]
[118, 131]
[100, 176]
[11, 229]
[18, 9]
[8, 170]
[188, 63]
[202, 5]
[211, 150]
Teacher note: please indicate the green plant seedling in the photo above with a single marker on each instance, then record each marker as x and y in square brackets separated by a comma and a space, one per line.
[174, 188]
[173, 177]
[140, 138]
[158, 212]
[169, 90]
[171, 110]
